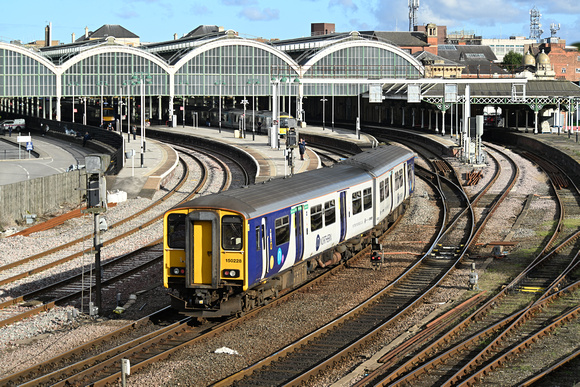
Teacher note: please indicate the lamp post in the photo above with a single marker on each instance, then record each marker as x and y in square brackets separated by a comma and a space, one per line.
[333, 107]
[141, 79]
[85, 111]
[323, 100]
[244, 102]
[183, 102]
[220, 83]
[121, 114]
[102, 84]
[254, 82]
[73, 84]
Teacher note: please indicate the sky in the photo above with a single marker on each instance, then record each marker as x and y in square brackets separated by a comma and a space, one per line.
[159, 20]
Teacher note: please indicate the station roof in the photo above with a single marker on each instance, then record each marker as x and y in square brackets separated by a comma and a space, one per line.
[476, 59]
[480, 88]
[400, 38]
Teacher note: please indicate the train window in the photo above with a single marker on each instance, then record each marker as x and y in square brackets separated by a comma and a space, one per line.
[368, 198]
[398, 179]
[356, 203]
[387, 188]
[176, 231]
[258, 239]
[329, 213]
[316, 217]
[382, 191]
[282, 230]
[232, 232]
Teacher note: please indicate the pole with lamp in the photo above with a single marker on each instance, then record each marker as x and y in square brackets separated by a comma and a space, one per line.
[84, 99]
[220, 83]
[244, 102]
[254, 82]
[333, 107]
[73, 84]
[102, 84]
[183, 101]
[323, 100]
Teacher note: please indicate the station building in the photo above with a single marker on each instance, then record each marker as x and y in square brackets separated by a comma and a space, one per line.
[328, 76]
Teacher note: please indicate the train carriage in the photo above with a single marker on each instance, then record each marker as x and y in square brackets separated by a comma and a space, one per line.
[231, 251]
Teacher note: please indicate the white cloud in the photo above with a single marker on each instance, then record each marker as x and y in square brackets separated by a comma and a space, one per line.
[347, 5]
[255, 14]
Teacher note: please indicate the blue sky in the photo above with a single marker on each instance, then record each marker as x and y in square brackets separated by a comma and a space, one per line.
[159, 20]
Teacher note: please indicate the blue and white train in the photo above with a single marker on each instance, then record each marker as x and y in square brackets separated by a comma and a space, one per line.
[229, 252]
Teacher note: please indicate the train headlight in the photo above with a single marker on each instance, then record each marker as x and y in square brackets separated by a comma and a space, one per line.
[230, 273]
[177, 270]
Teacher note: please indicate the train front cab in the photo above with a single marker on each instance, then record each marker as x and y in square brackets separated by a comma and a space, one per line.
[204, 260]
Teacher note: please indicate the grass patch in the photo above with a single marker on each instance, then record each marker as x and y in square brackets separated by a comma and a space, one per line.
[572, 223]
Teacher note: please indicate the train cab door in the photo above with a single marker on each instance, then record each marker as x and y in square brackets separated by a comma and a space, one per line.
[265, 248]
[299, 231]
[202, 248]
[342, 205]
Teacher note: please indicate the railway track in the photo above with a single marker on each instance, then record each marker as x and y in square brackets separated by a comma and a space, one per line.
[306, 357]
[507, 322]
[11, 309]
[151, 342]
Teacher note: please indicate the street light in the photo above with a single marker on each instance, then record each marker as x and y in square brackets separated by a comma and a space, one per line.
[73, 84]
[102, 83]
[141, 79]
[220, 83]
[323, 100]
[244, 102]
[183, 102]
[254, 82]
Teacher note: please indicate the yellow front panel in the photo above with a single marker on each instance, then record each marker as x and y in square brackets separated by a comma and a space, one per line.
[202, 252]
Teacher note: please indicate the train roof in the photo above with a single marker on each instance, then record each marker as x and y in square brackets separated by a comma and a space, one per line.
[371, 160]
[259, 199]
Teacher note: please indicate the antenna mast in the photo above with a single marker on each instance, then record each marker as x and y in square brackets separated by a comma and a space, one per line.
[413, 8]
[535, 25]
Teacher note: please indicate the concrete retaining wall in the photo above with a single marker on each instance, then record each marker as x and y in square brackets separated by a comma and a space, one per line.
[38, 196]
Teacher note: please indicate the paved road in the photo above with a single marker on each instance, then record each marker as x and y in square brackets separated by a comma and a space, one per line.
[53, 157]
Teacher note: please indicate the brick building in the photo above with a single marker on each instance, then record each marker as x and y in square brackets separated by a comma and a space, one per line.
[565, 60]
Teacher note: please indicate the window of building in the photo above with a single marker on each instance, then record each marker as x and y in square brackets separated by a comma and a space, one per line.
[577, 71]
[563, 70]
[232, 232]
[316, 217]
[282, 230]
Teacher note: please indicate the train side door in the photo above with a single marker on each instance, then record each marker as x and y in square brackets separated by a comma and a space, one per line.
[342, 204]
[299, 231]
[265, 248]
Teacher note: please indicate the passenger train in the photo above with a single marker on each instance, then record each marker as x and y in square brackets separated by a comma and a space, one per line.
[229, 252]
[233, 118]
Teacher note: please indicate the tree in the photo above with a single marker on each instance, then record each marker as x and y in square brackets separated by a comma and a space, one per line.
[577, 45]
[512, 59]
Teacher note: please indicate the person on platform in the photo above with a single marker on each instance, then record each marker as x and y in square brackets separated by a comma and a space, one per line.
[302, 148]
[86, 138]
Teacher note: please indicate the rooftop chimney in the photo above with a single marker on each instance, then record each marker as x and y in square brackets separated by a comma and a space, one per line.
[48, 35]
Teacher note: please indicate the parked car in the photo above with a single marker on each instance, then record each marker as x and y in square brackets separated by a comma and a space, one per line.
[16, 125]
